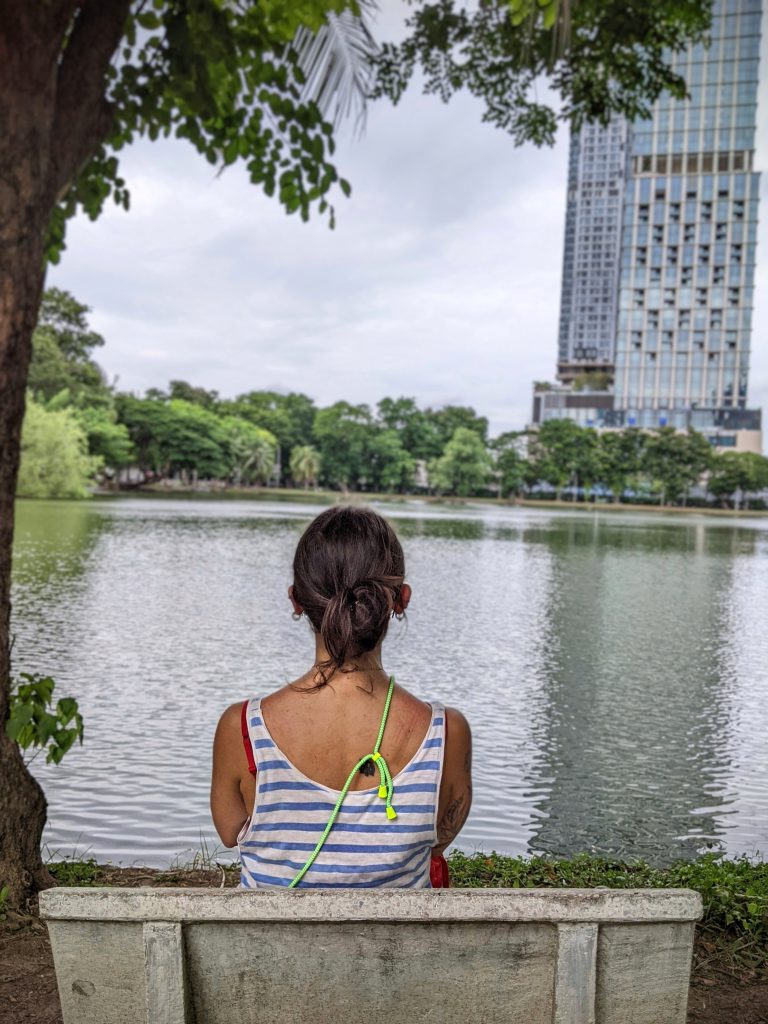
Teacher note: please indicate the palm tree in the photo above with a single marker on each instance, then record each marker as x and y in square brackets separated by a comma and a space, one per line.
[305, 465]
[338, 62]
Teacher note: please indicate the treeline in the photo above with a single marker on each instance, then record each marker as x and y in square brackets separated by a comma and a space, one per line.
[80, 428]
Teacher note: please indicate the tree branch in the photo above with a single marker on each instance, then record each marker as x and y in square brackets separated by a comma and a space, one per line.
[82, 117]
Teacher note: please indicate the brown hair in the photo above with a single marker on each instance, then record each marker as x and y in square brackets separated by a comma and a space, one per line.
[347, 573]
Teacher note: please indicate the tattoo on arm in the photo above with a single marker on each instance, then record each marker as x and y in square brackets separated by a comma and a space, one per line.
[454, 817]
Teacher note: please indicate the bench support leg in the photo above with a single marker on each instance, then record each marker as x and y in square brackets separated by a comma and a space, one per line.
[164, 971]
[576, 977]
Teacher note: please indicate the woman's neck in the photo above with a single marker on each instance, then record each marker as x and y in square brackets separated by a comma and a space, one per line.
[365, 668]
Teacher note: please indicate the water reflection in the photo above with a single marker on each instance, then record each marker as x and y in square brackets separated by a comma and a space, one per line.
[637, 727]
[612, 667]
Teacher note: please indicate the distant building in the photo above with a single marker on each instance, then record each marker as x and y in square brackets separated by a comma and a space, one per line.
[659, 261]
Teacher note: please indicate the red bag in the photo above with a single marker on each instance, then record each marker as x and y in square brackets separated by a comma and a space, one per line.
[438, 872]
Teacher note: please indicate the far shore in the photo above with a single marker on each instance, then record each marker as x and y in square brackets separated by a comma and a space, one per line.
[362, 497]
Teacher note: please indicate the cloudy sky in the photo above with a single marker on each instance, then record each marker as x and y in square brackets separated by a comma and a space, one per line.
[441, 280]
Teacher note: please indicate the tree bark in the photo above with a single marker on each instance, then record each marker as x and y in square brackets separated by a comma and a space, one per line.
[53, 115]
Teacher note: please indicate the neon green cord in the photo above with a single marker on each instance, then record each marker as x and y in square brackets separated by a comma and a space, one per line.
[386, 788]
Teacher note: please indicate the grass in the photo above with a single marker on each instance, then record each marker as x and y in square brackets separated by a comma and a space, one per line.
[3, 902]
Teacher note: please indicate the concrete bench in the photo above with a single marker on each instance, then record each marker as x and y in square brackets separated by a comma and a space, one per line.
[377, 956]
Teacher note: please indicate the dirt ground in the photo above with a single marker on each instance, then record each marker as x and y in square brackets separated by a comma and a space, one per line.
[28, 992]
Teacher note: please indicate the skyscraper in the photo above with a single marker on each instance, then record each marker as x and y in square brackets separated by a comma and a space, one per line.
[663, 301]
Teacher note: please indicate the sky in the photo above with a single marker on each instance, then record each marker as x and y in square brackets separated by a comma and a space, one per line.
[441, 280]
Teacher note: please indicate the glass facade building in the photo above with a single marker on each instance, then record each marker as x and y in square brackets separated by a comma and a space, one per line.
[683, 261]
[593, 218]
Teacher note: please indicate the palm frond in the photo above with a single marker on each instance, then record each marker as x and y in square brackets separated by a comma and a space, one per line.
[338, 63]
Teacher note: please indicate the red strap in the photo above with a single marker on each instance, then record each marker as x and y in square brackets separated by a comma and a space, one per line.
[438, 872]
[247, 739]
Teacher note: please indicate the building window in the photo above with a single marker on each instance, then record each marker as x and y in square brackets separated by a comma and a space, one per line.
[738, 209]
[706, 212]
[689, 233]
[655, 275]
[716, 318]
[718, 275]
[686, 275]
[703, 254]
[669, 296]
[672, 254]
[736, 253]
[642, 213]
[684, 318]
[639, 297]
[658, 233]
[642, 254]
[674, 213]
[733, 296]
[721, 232]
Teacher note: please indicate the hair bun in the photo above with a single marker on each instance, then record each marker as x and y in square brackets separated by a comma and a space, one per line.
[348, 570]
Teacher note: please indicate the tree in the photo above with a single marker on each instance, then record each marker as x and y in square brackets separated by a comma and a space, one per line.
[464, 467]
[54, 455]
[343, 433]
[250, 451]
[391, 467]
[418, 430]
[81, 79]
[305, 464]
[601, 57]
[447, 421]
[733, 472]
[175, 438]
[619, 458]
[510, 463]
[107, 439]
[62, 348]
[675, 461]
[562, 453]
[196, 396]
[288, 417]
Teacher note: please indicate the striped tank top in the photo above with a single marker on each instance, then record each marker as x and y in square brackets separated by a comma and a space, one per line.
[365, 850]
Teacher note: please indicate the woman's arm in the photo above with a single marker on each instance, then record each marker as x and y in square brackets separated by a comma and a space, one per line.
[456, 786]
[229, 766]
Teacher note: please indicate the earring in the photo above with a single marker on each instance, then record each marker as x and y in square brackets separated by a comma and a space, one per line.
[399, 616]
[296, 616]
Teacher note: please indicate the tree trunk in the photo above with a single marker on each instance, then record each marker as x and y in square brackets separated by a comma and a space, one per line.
[27, 82]
[53, 116]
[22, 804]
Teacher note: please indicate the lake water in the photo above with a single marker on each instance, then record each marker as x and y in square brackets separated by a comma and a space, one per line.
[614, 668]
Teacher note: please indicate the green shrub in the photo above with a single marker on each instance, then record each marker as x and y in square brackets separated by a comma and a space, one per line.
[75, 872]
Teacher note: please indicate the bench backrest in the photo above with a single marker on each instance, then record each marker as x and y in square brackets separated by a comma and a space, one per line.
[384, 956]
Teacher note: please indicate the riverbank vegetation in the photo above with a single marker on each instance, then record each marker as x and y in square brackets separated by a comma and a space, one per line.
[80, 429]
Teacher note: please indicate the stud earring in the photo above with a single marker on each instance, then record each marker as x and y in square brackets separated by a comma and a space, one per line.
[296, 616]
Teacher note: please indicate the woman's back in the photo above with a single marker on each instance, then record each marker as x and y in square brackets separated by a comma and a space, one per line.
[303, 748]
[294, 772]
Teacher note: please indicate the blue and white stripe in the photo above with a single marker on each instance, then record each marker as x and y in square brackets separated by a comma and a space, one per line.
[365, 849]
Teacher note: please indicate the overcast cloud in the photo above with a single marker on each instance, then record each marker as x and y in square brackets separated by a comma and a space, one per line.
[441, 280]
